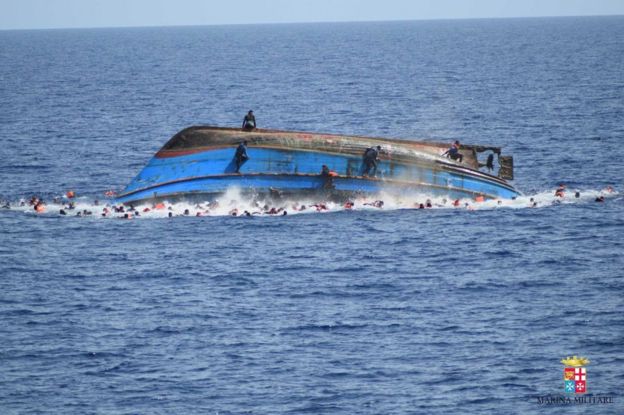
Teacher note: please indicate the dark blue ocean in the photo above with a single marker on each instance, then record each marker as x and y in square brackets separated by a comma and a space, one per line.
[368, 311]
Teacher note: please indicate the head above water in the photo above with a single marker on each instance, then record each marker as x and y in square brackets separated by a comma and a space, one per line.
[250, 112]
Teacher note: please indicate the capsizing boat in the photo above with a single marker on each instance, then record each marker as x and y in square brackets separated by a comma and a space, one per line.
[200, 162]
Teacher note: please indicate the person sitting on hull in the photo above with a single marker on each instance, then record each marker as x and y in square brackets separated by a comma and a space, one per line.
[370, 161]
[249, 122]
[454, 153]
[240, 157]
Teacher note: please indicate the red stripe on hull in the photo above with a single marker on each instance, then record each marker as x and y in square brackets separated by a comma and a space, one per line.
[163, 154]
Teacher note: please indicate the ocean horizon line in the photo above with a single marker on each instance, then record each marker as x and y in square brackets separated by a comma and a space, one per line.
[329, 22]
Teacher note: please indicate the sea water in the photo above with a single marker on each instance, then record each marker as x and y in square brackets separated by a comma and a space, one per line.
[366, 310]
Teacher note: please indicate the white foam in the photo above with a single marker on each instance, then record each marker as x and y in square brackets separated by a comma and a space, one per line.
[234, 203]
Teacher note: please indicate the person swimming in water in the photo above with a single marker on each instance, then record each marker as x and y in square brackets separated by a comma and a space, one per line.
[40, 206]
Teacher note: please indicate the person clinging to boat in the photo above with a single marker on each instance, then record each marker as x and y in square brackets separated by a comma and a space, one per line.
[328, 175]
[325, 171]
[370, 161]
[249, 122]
[240, 157]
[454, 153]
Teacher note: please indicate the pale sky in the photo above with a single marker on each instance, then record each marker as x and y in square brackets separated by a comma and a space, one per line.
[40, 14]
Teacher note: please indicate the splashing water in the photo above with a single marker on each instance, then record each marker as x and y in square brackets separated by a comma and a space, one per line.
[234, 203]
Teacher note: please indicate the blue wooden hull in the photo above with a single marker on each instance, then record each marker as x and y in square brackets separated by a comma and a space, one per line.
[209, 169]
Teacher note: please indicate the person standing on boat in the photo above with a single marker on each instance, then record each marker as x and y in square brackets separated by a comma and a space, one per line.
[241, 155]
[454, 153]
[249, 122]
[370, 161]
